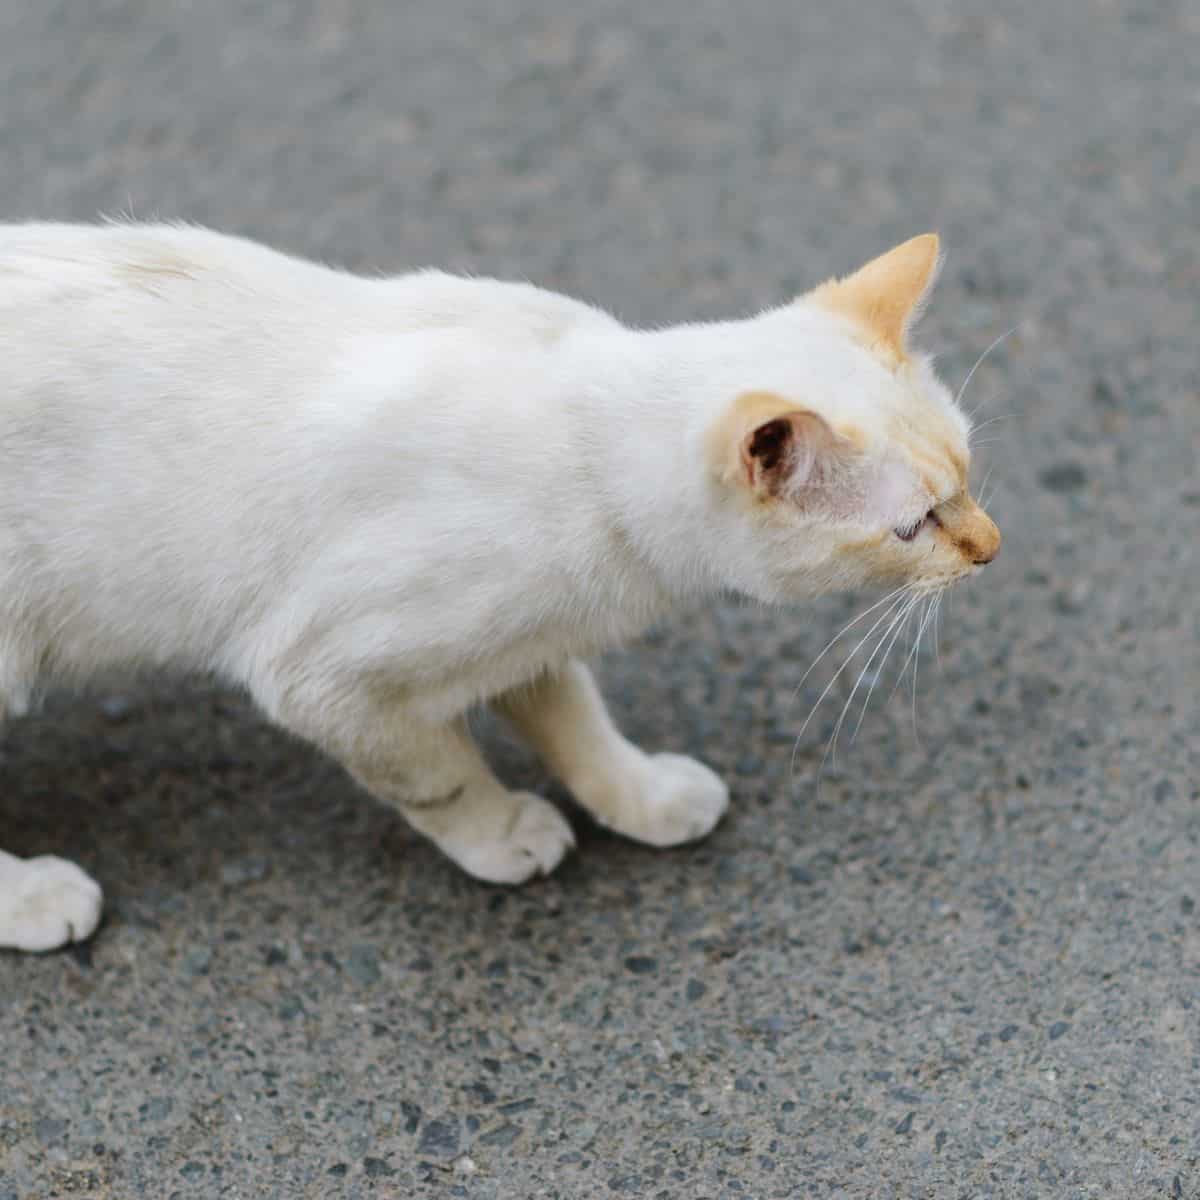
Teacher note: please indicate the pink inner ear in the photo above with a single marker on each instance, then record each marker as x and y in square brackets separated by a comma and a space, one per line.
[779, 454]
[809, 433]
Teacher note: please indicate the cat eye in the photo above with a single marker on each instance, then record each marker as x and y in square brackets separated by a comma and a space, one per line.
[906, 533]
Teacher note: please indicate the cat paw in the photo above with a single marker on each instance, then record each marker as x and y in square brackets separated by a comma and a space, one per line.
[47, 902]
[674, 799]
[533, 843]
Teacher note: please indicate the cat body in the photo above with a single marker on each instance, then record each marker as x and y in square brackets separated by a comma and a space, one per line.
[375, 503]
[268, 443]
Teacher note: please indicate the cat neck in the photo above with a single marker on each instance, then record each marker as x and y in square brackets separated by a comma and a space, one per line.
[636, 400]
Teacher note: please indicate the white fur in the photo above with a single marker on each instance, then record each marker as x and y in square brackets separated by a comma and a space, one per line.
[374, 503]
[45, 902]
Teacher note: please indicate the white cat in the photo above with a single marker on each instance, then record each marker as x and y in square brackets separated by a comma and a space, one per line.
[375, 503]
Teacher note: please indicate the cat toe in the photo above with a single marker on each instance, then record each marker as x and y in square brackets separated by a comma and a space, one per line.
[534, 844]
[679, 800]
[51, 903]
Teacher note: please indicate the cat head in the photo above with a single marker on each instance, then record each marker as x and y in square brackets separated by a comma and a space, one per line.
[839, 447]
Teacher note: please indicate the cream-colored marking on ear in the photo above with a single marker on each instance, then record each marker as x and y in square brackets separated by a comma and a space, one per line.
[885, 297]
[766, 442]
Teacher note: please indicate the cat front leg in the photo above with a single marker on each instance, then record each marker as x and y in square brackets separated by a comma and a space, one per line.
[660, 799]
[45, 903]
[437, 778]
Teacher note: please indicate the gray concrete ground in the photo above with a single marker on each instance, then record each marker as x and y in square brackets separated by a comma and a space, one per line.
[968, 964]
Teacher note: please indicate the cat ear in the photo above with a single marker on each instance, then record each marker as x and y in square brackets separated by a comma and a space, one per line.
[771, 446]
[887, 295]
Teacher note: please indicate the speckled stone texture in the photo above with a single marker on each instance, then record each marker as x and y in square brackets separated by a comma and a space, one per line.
[965, 965]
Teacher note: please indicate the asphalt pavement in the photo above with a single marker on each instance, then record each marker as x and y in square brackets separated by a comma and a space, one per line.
[961, 960]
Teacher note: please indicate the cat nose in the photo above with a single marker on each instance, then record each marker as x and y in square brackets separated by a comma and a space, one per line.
[984, 545]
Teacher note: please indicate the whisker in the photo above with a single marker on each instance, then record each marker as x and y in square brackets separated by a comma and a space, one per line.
[983, 485]
[895, 630]
[900, 678]
[990, 421]
[979, 362]
[916, 665]
[937, 628]
[916, 662]
[984, 494]
[897, 600]
[849, 658]
[937, 621]
[837, 637]
[837, 729]
[976, 408]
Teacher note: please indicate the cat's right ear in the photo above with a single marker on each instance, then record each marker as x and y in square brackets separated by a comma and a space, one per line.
[886, 297]
[771, 447]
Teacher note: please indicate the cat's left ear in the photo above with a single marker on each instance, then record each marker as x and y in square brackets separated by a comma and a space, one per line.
[886, 297]
[773, 448]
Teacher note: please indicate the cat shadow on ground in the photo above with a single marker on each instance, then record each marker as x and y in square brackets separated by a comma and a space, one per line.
[207, 825]
[203, 822]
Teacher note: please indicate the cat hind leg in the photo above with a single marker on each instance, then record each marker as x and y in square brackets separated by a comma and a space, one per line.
[45, 902]
[441, 784]
[435, 776]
